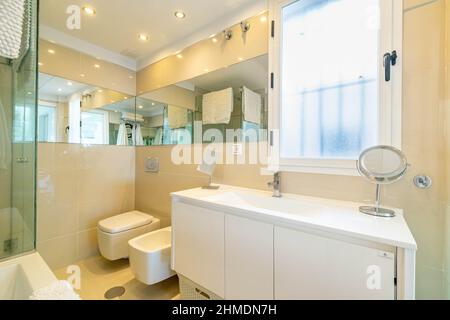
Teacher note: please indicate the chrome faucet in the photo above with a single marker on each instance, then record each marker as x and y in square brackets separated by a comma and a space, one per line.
[276, 185]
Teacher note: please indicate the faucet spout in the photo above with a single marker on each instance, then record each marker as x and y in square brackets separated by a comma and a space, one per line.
[276, 185]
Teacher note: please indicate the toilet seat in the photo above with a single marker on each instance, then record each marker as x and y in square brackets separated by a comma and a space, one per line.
[125, 222]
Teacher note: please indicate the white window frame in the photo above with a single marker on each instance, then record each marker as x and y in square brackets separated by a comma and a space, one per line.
[390, 114]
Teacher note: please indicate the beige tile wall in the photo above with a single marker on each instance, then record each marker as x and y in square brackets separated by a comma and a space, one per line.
[78, 186]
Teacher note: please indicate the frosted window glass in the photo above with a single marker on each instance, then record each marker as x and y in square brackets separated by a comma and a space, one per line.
[330, 66]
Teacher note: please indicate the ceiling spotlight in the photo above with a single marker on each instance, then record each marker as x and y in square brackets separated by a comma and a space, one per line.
[179, 56]
[89, 11]
[214, 40]
[263, 19]
[97, 66]
[51, 51]
[143, 37]
[180, 14]
[69, 84]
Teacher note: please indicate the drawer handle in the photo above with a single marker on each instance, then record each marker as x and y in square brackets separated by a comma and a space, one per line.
[200, 292]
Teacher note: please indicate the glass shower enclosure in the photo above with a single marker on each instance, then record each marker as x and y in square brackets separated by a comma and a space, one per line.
[18, 109]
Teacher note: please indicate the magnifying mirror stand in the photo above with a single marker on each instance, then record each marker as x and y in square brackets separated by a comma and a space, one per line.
[377, 211]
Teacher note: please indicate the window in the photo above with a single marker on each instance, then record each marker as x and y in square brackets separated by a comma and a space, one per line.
[46, 122]
[94, 127]
[332, 99]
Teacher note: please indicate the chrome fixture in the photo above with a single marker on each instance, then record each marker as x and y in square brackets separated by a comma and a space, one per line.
[423, 182]
[276, 185]
[245, 26]
[228, 34]
[381, 165]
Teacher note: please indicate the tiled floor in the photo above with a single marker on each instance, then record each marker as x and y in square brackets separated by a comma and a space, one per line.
[98, 275]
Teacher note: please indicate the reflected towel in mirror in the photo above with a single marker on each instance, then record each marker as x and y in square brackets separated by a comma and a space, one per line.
[122, 136]
[178, 117]
[137, 135]
[251, 106]
[218, 106]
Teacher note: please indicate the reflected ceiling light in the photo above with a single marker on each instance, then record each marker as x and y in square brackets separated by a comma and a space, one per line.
[89, 10]
[141, 107]
[51, 51]
[40, 64]
[29, 93]
[82, 75]
[59, 90]
[100, 91]
[97, 66]
[179, 56]
[214, 40]
[240, 59]
[263, 19]
[153, 103]
[180, 14]
[69, 84]
[143, 37]
[126, 98]
[130, 77]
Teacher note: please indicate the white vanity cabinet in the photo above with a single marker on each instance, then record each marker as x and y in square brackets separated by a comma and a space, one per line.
[198, 245]
[309, 266]
[244, 244]
[248, 259]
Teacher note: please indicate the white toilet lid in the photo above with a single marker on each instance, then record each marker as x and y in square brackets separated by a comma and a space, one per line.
[125, 222]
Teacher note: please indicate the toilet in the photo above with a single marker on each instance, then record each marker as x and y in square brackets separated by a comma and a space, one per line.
[114, 233]
[150, 256]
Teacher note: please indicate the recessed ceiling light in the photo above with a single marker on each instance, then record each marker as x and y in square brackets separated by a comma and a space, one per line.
[141, 107]
[40, 64]
[90, 11]
[51, 51]
[97, 66]
[126, 98]
[180, 14]
[29, 93]
[214, 40]
[130, 77]
[100, 91]
[143, 37]
[153, 103]
[263, 19]
[59, 89]
[179, 56]
[82, 75]
[69, 84]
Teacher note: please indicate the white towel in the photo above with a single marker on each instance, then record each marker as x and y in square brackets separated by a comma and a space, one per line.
[60, 290]
[158, 137]
[122, 137]
[178, 117]
[13, 28]
[137, 135]
[251, 106]
[218, 106]
[5, 140]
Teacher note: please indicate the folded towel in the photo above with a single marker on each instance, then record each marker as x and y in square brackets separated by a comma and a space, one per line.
[5, 140]
[60, 290]
[122, 136]
[218, 106]
[137, 135]
[251, 106]
[13, 28]
[178, 117]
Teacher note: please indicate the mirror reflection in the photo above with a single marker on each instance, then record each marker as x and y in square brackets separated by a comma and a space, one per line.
[232, 98]
[74, 112]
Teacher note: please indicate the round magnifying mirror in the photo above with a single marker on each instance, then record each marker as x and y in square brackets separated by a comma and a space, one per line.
[381, 165]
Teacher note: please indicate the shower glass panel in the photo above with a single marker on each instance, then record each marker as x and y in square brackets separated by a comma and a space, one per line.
[18, 111]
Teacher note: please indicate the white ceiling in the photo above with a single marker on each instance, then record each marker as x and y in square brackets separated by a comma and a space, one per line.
[117, 23]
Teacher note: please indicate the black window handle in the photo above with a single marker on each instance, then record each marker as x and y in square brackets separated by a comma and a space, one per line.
[389, 59]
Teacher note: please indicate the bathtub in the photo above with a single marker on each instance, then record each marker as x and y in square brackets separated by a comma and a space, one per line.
[21, 276]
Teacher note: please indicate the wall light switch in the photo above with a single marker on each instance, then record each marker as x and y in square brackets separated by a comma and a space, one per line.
[152, 165]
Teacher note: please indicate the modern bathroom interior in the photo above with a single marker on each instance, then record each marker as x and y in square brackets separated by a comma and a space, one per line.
[224, 150]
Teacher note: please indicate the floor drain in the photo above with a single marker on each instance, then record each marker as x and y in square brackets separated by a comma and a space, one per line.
[115, 293]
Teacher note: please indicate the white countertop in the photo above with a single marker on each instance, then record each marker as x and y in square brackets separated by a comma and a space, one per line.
[339, 217]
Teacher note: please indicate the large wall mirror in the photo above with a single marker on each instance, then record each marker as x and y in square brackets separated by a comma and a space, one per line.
[232, 98]
[74, 112]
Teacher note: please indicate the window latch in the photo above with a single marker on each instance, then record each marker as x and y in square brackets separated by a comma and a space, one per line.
[389, 59]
